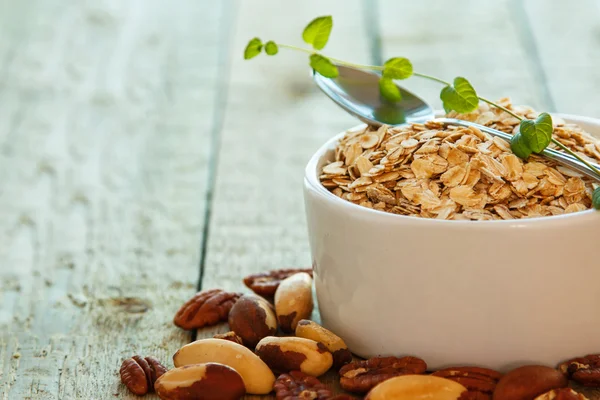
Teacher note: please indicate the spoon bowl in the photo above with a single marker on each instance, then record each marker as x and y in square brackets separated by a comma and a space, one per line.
[357, 92]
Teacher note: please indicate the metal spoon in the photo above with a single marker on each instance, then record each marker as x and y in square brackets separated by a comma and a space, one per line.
[357, 92]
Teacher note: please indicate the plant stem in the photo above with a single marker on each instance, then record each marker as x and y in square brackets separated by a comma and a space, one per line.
[443, 82]
[432, 78]
[363, 66]
[342, 62]
[288, 46]
[569, 151]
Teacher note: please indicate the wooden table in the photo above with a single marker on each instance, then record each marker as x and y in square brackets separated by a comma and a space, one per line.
[142, 158]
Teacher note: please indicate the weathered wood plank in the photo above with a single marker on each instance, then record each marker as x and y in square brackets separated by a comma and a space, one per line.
[470, 38]
[275, 118]
[565, 37]
[258, 221]
[105, 134]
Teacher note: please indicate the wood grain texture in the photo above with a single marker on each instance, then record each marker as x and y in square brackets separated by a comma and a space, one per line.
[479, 40]
[275, 118]
[105, 138]
[565, 36]
[113, 111]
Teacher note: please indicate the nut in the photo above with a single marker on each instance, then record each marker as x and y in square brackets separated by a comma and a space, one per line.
[284, 354]
[257, 376]
[311, 330]
[232, 336]
[297, 385]
[205, 308]
[252, 318]
[210, 381]
[561, 394]
[584, 370]
[416, 387]
[456, 173]
[139, 374]
[527, 382]
[293, 301]
[475, 379]
[265, 284]
[471, 395]
[362, 376]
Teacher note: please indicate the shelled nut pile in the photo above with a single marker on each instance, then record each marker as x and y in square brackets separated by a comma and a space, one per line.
[457, 173]
[256, 357]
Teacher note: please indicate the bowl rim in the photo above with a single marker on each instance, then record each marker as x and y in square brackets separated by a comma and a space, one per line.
[312, 182]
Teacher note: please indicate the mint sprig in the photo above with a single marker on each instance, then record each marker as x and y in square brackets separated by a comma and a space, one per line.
[253, 48]
[271, 48]
[533, 137]
[389, 90]
[596, 198]
[323, 65]
[519, 146]
[317, 32]
[460, 97]
[537, 133]
[397, 68]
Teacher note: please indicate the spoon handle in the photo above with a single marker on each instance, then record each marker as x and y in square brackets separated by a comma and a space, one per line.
[561, 158]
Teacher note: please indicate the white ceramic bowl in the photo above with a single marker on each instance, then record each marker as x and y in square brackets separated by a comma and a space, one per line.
[491, 293]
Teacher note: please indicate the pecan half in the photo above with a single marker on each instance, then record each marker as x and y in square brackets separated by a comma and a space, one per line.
[139, 374]
[561, 394]
[362, 376]
[583, 370]
[207, 307]
[231, 336]
[266, 283]
[296, 385]
[475, 379]
[471, 395]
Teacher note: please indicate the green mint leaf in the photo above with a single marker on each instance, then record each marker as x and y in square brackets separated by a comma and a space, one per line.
[317, 32]
[390, 114]
[253, 48]
[596, 198]
[389, 90]
[519, 146]
[271, 48]
[323, 65]
[460, 97]
[538, 133]
[397, 68]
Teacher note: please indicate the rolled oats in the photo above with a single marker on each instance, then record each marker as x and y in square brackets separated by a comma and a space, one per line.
[432, 171]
